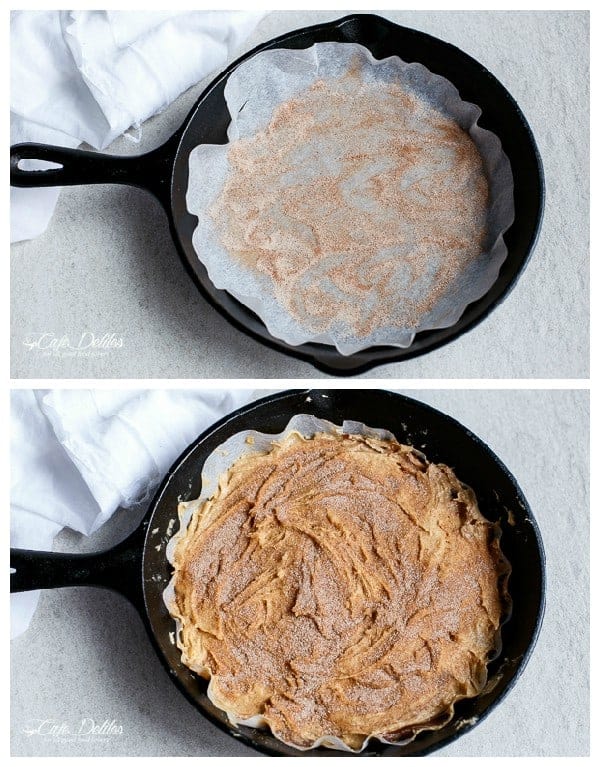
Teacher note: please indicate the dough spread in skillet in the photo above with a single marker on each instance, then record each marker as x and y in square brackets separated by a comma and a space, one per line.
[339, 587]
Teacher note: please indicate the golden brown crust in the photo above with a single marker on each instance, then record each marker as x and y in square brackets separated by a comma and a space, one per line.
[339, 586]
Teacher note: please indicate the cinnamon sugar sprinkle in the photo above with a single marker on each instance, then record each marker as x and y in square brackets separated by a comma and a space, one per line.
[361, 202]
[339, 587]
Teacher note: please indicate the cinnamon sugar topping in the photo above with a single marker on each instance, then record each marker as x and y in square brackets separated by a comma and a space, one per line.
[361, 202]
[339, 587]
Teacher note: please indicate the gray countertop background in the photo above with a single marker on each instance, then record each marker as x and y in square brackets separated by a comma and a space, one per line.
[107, 263]
[86, 655]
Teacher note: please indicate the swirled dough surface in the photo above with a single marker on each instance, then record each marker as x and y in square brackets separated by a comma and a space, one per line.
[339, 586]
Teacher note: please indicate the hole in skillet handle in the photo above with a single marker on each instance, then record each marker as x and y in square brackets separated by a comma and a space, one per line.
[209, 120]
[36, 165]
[411, 421]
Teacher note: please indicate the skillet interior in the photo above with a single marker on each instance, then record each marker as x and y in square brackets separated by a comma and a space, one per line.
[208, 122]
[444, 440]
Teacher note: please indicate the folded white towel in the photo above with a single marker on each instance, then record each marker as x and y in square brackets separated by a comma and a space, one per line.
[78, 455]
[89, 76]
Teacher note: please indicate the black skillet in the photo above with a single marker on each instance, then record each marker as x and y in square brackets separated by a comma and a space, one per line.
[164, 172]
[140, 571]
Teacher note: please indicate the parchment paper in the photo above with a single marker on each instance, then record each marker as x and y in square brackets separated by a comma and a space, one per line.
[253, 92]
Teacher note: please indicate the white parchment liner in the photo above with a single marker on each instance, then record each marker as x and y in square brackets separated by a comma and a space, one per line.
[217, 464]
[270, 78]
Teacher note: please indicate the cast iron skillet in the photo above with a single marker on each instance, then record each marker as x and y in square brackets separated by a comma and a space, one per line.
[164, 172]
[139, 571]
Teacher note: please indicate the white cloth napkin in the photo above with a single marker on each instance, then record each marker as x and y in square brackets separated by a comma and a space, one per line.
[89, 76]
[78, 455]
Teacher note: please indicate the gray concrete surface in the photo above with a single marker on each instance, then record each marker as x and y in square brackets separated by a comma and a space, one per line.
[107, 264]
[86, 656]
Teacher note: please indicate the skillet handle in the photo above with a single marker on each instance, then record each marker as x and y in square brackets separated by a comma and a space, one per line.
[151, 171]
[118, 568]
